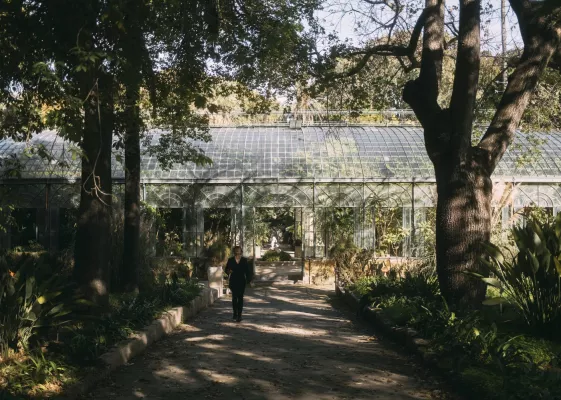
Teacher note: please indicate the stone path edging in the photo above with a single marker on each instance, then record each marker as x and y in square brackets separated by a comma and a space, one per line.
[405, 336]
[295, 342]
[410, 339]
[124, 351]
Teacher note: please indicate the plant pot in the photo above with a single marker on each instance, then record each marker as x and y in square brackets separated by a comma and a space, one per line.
[216, 278]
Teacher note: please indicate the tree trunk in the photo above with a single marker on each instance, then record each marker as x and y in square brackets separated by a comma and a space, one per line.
[131, 259]
[93, 236]
[463, 224]
[132, 78]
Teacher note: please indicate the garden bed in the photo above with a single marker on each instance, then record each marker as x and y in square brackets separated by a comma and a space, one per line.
[484, 353]
[121, 353]
[68, 348]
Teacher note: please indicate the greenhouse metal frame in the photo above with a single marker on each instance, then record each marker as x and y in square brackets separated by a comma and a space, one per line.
[308, 168]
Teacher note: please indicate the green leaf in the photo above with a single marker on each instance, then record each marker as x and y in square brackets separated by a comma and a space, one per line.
[494, 301]
[43, 299]
[534, 263]
[56, 309]
[494, 252]
[558, 226]
[557, 264]
[86, 302]
[62, 313]
[29, 288]
[546, 260]
[537, 240]
[517, 236]
[493, 282]
[476, 274]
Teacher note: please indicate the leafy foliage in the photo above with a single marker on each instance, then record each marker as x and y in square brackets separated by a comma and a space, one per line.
[218, 252]
[531, 280]
[34, 375]
[273, 255]
[30, 301]
[128, 312]
[352, 263]
[492, 358]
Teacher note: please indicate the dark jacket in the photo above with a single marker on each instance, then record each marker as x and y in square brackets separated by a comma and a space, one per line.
[239, 273]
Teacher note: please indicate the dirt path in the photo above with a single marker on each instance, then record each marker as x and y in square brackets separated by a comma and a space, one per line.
[292, 344]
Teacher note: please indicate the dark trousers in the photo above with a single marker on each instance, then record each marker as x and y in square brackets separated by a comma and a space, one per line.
[237, 299]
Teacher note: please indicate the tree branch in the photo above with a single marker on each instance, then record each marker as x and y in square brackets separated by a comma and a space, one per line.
[387, 50]
[422, 93]
[466, 78]
[541, 31]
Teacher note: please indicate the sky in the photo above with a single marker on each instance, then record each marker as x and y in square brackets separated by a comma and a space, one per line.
[345, 26]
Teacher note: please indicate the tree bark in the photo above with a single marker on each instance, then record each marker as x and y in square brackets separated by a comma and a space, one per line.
[131, 259]
[463, 186]
[463, 224]
[466, 78]
[93, 236]
[133, 81]
[463, 172]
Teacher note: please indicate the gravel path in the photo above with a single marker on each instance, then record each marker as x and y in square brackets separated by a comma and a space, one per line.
[291, 344]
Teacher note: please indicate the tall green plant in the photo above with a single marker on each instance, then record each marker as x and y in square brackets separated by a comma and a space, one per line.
[27, 305]
[530, 280]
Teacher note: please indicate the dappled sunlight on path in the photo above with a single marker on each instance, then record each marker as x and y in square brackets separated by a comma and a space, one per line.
[292, 344]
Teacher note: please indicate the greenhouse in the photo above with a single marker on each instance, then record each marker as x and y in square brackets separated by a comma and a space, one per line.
[309, 169]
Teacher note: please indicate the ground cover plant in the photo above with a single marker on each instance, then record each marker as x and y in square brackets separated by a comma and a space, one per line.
[50, 336]
[492, 352]
[273, 255]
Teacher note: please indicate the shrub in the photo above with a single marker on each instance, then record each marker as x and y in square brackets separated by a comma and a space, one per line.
[128, 312]
[364, 285]
[352, 263]
[531, 280]
[218, 252]
[29, 301]
[471, 344]
[273, 255]
[421, 281]
[29, 375]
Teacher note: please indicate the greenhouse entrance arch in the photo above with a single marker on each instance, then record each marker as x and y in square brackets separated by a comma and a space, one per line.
[367, 175]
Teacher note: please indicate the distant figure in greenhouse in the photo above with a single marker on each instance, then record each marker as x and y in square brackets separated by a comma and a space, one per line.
[239, 272]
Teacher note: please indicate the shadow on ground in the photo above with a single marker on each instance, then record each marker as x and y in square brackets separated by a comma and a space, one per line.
[292, 344]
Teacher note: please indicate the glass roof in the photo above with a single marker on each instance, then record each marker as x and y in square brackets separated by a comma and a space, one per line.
[279, 153]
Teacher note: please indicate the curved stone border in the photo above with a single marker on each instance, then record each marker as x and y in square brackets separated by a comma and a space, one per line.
[124, 351]
[411, 340]
[405, 336]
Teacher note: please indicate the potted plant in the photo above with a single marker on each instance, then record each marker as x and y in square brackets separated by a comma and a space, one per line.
[298, 248]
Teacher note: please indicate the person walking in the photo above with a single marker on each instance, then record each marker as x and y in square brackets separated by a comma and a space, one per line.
[239, 272]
